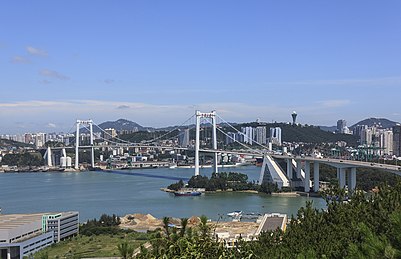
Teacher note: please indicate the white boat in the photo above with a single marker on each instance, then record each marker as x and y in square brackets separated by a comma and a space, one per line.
[235, 214]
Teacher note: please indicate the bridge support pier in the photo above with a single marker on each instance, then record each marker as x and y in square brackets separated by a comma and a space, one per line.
[86, 122]
[316, 176]
[307, 177]
[200, 115]
[77, 146]
[341, 174]
[352, 179]
[49, 157]
[299, 169]
[289, 169]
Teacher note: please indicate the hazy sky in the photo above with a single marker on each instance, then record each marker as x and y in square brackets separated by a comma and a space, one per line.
[155, 62]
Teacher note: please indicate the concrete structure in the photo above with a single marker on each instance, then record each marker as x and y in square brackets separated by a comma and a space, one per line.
[397, 140]
[90, 124]
[294, 117]
[275, 135]
[260, 135]
[248, 134]
[271, 222]
[24, 234]
[271, 172]
[212, 116]
[386, 140]
[340, 126]
[183, 138]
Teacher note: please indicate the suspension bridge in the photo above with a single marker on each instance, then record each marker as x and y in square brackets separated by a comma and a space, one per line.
[298, 169]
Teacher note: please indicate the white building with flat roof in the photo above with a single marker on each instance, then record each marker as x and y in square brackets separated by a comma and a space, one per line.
[24, 234]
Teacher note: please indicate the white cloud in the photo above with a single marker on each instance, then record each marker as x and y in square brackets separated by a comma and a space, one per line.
[36, 52]
[20, 60]
[108, 81]
[51, 125]
[334, 103]
[53, 74]
[380, 81]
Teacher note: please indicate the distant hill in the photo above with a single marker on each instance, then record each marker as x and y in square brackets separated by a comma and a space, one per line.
[328, 128]
[12, 143]
[307, 134]
[381, 122]
[121, 124]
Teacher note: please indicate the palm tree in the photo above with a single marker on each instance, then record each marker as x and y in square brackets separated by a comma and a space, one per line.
[126, 250]
[166, 222]
[203, 226]
[184, 223]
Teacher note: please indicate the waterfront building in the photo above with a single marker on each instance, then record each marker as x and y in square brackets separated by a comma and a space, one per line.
[21, 235]
[260, 135]
[397, 140]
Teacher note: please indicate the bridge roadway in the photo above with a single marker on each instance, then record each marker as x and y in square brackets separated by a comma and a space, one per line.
[343, 163]
[338, 163]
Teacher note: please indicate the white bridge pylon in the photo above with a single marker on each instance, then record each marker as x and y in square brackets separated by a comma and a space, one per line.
[211, 115]
[86, 123]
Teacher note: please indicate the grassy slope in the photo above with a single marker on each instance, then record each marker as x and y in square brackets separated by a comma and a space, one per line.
[94, 246]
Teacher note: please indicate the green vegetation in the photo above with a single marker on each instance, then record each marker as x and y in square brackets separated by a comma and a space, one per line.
[224, 181]
[23, 159]
[12, 143]
[97, 238]
[104, 245]
[359, 228]
[105, 225]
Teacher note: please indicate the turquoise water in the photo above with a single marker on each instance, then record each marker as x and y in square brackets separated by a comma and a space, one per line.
[134, 191]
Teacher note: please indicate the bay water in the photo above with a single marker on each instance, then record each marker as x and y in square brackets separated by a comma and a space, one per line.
[133, 191]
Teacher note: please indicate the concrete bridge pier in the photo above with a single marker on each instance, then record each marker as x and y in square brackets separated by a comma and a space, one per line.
[352, 179]
[341, 176]
[315, 177]
[307, 177]
[289, 169]
[299, 169]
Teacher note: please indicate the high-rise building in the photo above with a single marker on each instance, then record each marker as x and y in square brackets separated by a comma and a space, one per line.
[294, 117]
[366, 136]
[275, 135]
[260, 135]
[231, 137]
[386, 142]
[341, 126]
[183, 138]
[397, 140]
[109, 133]
[248, 134]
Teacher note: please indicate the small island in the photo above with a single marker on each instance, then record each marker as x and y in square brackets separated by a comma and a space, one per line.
[223, 181]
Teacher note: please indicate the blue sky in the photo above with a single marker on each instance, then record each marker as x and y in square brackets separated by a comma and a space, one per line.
[155, 62]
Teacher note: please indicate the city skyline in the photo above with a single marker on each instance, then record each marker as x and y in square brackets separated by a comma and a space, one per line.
[156, 63]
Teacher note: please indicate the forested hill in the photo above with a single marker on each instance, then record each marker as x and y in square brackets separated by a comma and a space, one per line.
[10, 143]
[307, 134]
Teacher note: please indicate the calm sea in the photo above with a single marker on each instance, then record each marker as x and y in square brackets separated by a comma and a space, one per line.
[134, 191]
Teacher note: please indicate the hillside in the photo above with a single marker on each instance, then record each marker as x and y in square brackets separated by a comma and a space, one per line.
[382, 122]
[306, 134]
[10, 143]
[119, 125]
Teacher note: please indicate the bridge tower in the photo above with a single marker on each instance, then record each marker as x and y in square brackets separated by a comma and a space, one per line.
[211, 115]
[87, 123]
